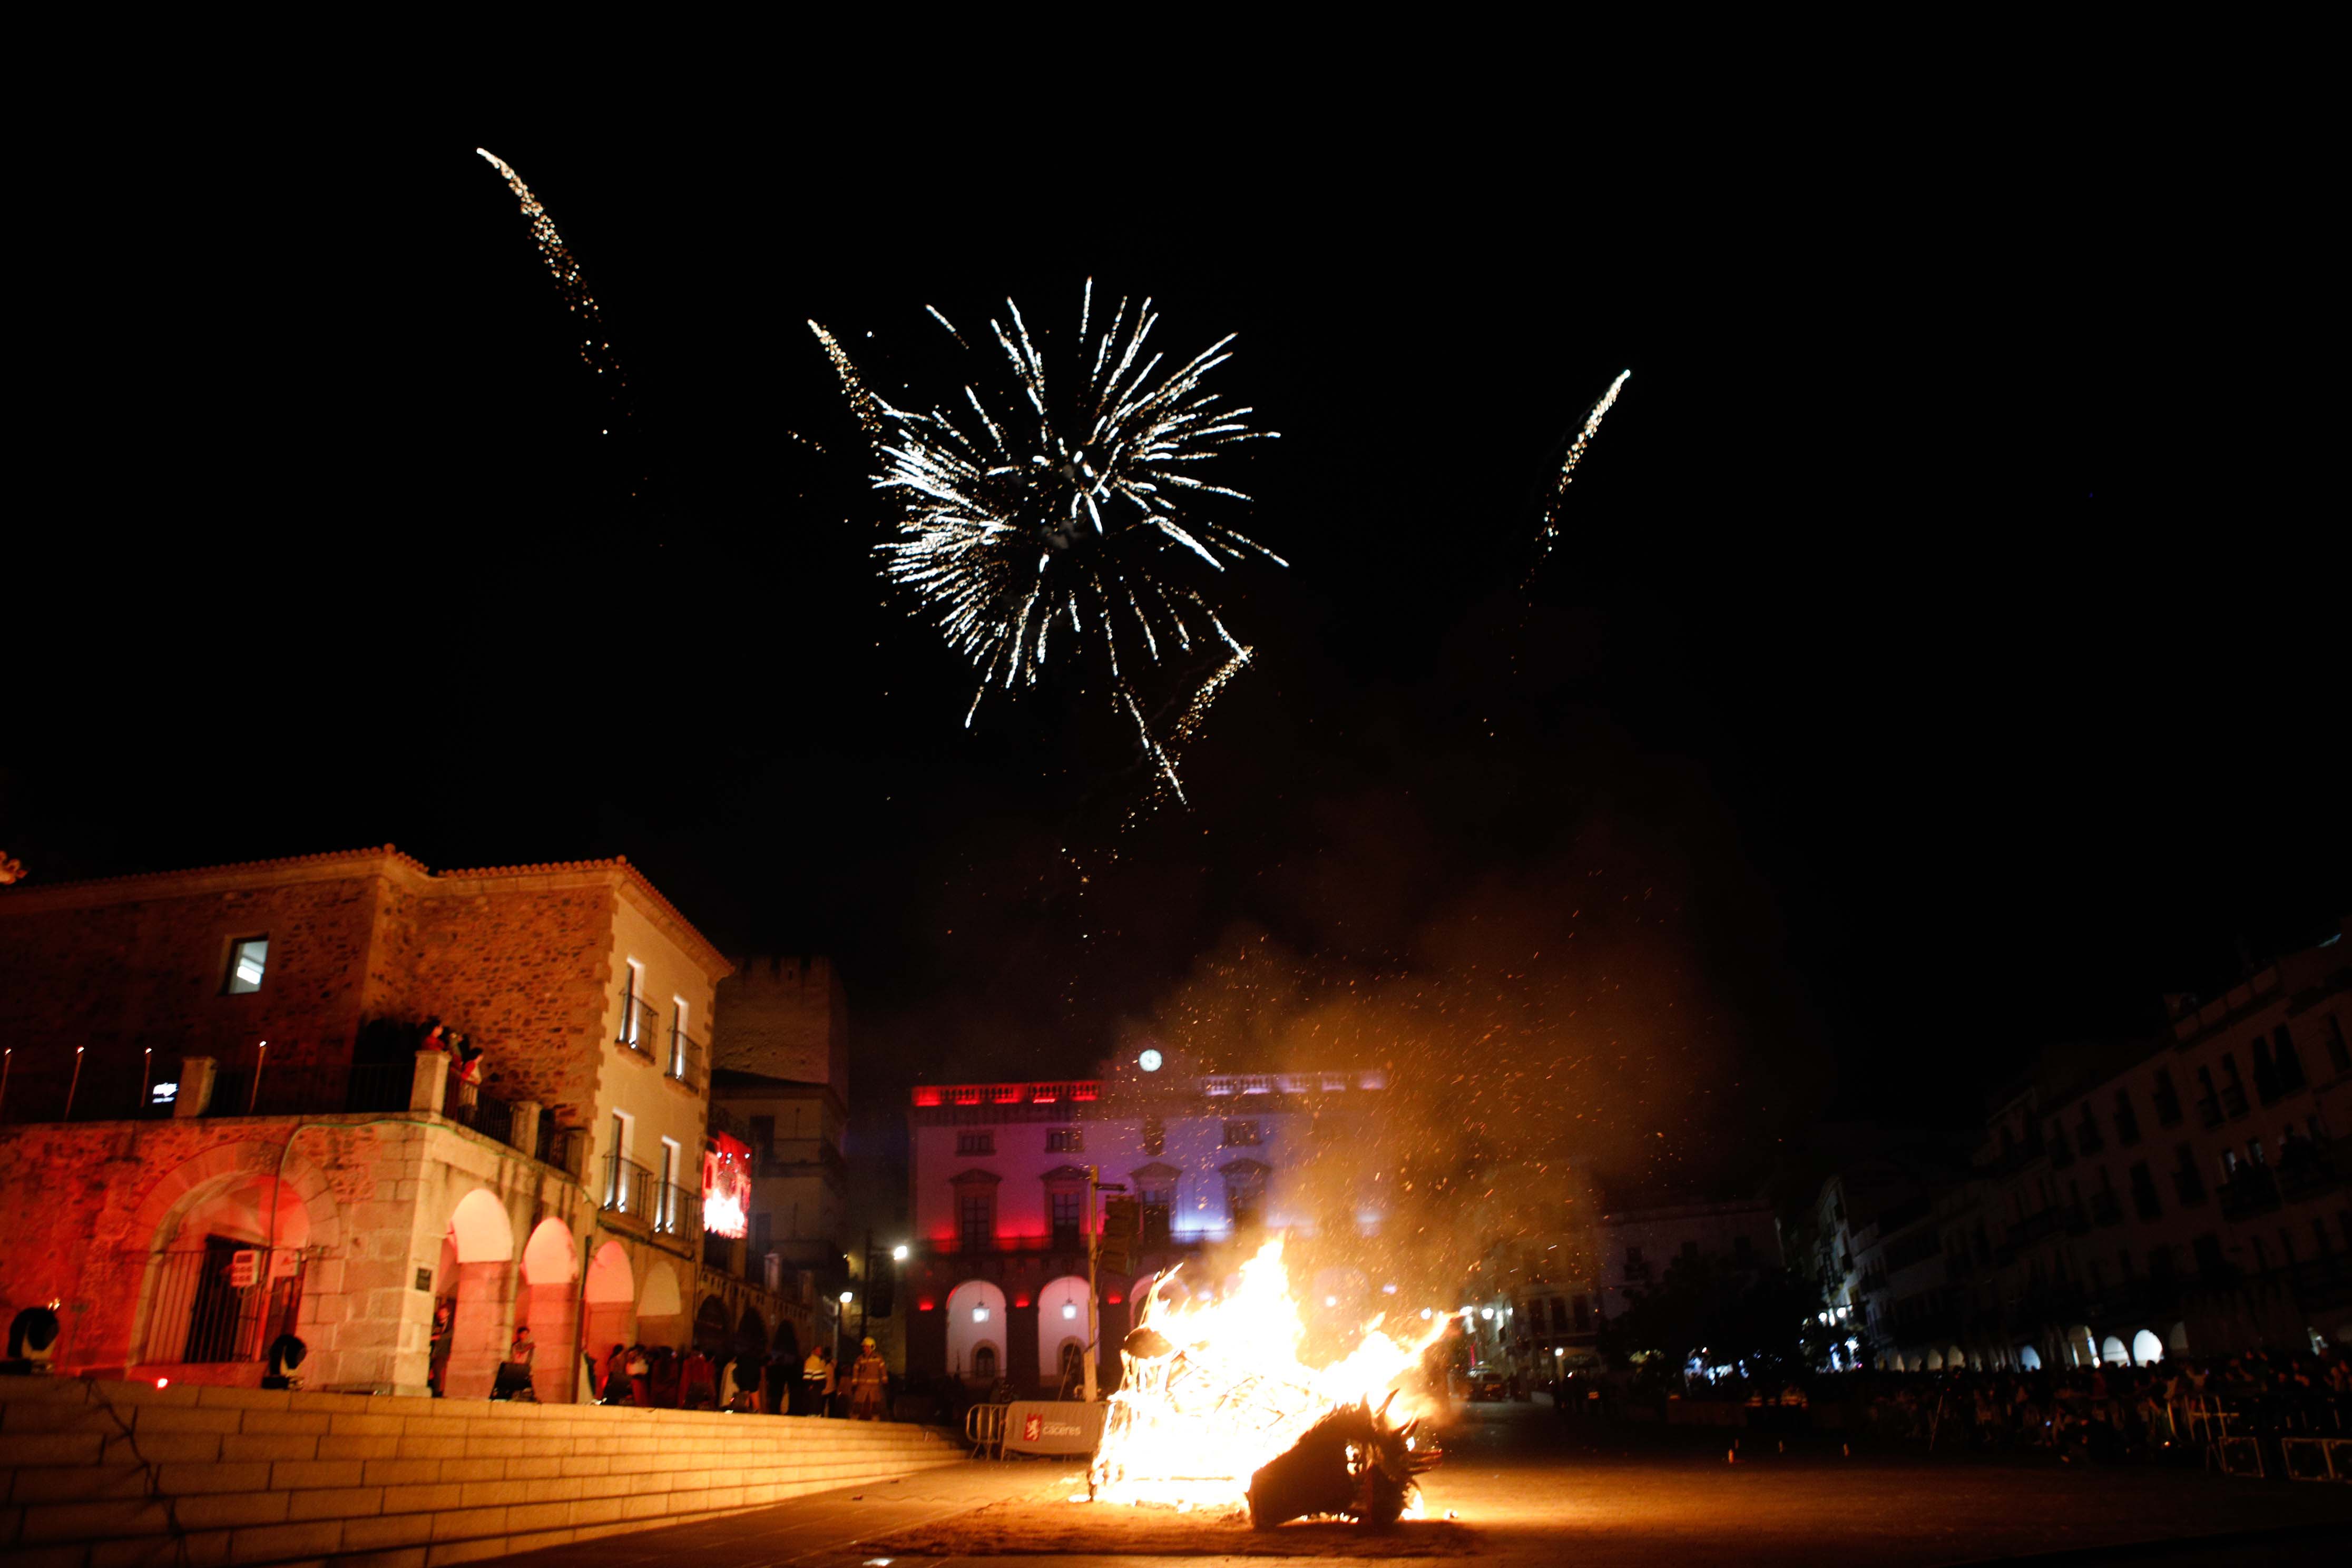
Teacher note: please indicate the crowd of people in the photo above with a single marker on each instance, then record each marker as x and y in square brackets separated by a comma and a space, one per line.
[2172, 1408]
[780, 1384]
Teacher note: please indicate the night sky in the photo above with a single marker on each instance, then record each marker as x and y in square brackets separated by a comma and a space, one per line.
[1945, 648]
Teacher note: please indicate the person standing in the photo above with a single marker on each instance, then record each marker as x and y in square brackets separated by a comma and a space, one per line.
[868, 1384]
[817, 1381]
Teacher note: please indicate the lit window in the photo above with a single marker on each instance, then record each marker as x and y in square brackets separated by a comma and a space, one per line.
[1241, 1134]
[1065, 1141]
[975, 1142]
[247, 961]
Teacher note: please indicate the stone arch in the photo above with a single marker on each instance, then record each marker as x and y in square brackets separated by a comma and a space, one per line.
[1061, 1317]
[1934, 1361]
[2147, 1349]
[975, 1319]
[2113, 1353]
[610, 1298]
[2178, 1339]
[484, 1234]
[711, 1335]
[2028, 1359]
[259, 1194]
[549, 1308]
[1955, 1359]
[661, 1306]
[480, 1238]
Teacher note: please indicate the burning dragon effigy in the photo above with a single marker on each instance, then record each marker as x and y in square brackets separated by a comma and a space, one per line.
[1216, 1408]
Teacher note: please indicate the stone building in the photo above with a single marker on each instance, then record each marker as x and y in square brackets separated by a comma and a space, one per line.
[997, 1281]
[2134, 1199]
[217, 1125]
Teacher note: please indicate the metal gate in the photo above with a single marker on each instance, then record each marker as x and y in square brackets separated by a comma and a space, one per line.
[223, 1301]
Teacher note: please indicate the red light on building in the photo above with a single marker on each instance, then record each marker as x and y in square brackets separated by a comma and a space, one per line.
[1020, 1300]
[926, 1097]
[1113, 1300]
[726, 1186]
[926, 1304]
[1085, 1091]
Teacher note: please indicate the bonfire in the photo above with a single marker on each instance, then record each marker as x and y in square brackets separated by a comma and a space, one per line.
[1216, 1409]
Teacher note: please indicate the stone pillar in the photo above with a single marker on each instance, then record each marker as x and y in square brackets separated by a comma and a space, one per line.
[431, 1082]
[523, 1131]
[196, 1074]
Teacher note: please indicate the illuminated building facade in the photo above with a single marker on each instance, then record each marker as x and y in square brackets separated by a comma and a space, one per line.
[218, 1125]
[996, 1287]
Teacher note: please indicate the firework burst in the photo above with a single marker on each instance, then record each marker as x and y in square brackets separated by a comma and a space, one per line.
[1558, 497]
[569, 282]
[1054, 511]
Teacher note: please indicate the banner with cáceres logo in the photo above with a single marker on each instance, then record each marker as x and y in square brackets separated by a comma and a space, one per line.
[1052, 1427]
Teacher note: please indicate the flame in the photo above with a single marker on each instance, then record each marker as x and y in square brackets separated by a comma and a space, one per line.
[1228, 1392]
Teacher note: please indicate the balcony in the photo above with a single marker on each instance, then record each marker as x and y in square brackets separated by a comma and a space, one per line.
[640, 1024]
[2233, 1102]
[2306, 1169]
[2107, 1208]
[685, 1052]
[2251, 1190]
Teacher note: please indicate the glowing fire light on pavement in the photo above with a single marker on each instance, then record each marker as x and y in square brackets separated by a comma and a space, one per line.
[1216, 1390]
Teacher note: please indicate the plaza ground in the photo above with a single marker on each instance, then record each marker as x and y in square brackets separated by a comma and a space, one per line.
[1531, 1490]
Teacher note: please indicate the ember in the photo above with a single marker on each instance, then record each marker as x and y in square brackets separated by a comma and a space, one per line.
[1216, 1408]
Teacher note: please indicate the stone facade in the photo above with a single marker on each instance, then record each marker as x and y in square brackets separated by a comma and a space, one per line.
[374, 1183]
[785, 1018]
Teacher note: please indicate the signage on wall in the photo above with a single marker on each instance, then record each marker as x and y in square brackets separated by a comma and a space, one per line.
[243, 1267]
[283, 1263]
[726, 1186]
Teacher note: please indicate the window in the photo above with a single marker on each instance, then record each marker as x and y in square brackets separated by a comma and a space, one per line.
[763, 1234]
[636, 1018]
[983, 1357]
[617, 1169]
[1154, 1202]
[1743, 1250]
[763, 1139]
[247, 957]
[2339, 1053]
[669, 1215]
[2127, 1120]
[2143, 1188]
[2289, 1061]
[976, 1218]
[1241, 1134]
[1244, 1194]
[1155, 1135]
[1583, 1314]
[678, 1038]
[2168, 1100]
[1065, 1141]
[975, 1142]
[2086, 1132]
[1068, 1210]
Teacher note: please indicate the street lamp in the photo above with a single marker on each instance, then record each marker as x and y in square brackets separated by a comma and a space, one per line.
[898, 1252]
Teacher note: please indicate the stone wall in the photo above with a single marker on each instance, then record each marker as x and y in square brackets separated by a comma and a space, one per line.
[118, 975]
[523, 970]
[784, 1017]
[367, 1200]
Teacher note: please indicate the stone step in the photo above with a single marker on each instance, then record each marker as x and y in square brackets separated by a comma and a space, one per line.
[129, 1472]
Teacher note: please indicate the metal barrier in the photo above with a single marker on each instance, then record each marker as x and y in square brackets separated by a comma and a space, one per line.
[983, 1428]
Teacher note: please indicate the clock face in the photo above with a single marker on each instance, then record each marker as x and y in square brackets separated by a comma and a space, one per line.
[1149, 1061]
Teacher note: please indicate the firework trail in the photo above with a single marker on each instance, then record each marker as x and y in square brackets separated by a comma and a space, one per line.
[569, 282]
[1051, 513]
[1550, 530]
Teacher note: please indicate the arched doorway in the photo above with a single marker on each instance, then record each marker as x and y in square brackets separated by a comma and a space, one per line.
[710, 1330]
[1061, 1323]
[194, 1311]
[610, 1296]
[976, 1324]
[2028, 1359]
[477, 1251]
[2147, 1349]
[551, 1266]
[2112, 1351]
[661, 1309]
